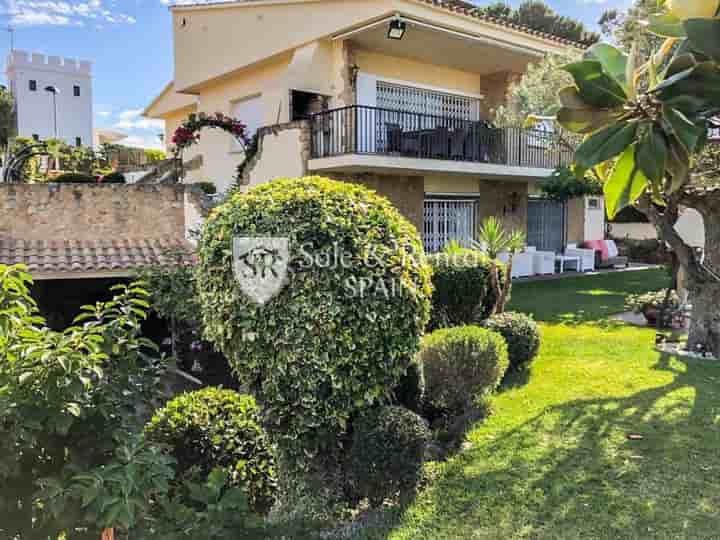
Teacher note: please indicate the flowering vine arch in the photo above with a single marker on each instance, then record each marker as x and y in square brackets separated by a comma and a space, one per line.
[188, 134]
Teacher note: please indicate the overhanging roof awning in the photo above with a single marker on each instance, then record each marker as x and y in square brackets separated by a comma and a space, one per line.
[84, 259]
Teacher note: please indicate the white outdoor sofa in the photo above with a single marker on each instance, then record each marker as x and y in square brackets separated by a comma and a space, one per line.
[522, 264]
[543, 261]
[586, 256]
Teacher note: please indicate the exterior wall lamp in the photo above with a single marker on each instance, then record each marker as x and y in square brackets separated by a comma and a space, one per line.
[396, 30]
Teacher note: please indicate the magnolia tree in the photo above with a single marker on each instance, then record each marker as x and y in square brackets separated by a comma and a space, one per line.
[645, 126]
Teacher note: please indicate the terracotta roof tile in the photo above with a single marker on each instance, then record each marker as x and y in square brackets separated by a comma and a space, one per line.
[74, 256]
[471, 10]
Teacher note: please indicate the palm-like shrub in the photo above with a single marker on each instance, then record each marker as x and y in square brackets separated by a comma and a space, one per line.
[494, 240]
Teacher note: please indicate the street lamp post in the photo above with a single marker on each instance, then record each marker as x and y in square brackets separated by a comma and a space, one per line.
[54, 91]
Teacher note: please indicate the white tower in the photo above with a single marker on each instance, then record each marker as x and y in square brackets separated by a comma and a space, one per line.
[53, 97]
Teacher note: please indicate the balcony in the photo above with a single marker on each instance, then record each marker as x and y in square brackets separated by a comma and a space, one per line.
[444, 144]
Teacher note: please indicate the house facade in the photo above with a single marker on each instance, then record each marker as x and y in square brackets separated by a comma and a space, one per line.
[394, 94]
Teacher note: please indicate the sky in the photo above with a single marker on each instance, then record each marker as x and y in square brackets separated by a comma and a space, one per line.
[129, 43]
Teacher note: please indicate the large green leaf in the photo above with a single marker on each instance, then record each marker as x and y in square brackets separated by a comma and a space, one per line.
[652, 154]
[613, 61]
[596, 87]
[688, 133]
[586, 120]
[701, 81]
[606, 144]
[570, 98]
[704, 35]
[626, 184]
[678, 165]
[666, 25]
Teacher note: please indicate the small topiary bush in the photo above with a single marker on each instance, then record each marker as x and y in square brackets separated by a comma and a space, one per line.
[75, 178]
[114, 177]
[213, 428]
[462, 291]
[521, 334]
[208, 188]
[335, 338]
[388, 451]
[461, 365]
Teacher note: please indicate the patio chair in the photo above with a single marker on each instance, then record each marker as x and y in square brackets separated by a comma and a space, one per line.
[394, 137]
[586, 256]
[458, 141]
[440, 142]
[543, 261]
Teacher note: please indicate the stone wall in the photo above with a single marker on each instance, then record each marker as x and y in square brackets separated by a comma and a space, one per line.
[407, 193]
[94, 211]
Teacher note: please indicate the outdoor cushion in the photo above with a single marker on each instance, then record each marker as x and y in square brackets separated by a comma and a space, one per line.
[612, 248]
[598, 245]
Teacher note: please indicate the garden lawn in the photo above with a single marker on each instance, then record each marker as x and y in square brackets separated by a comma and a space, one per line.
[605, 439]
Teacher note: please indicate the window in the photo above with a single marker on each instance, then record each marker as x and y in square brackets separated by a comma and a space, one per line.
[33, 85]
[410, 99]
[78, 141]
[250, 112]
[76, 91]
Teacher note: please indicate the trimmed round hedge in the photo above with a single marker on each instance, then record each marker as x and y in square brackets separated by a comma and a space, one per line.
[213, 428]
[462, 289]
[521, 334]
[339, 335]
[388, 452]
[461, 365]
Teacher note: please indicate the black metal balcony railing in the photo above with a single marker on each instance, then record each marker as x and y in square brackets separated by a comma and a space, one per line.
[359, 129]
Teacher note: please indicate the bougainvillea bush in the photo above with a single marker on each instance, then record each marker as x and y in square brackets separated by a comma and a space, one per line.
[321, 350]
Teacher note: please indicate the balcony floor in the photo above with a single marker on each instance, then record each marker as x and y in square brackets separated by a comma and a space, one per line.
[356, 163]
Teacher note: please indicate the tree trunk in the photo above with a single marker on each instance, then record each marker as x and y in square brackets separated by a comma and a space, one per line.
[495, 280]
[705, 325]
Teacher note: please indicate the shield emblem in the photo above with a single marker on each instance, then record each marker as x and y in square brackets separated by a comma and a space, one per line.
[260, 265]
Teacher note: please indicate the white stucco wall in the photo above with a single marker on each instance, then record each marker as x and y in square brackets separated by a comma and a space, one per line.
[281, 157]
[35, 111]
[690, 227]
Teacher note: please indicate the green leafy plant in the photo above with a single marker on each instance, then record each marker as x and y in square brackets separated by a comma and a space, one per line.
[66, 397]
[75, 178]
[215, 428]
[461, 365]
[321, 350]
[387, 454]
[564, 185]
[114, 177]
[521, 334]
[494, 240]
[462, 288]
[645, 124]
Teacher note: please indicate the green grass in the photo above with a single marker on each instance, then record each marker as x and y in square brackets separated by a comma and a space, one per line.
[556, 460]
[583, 298]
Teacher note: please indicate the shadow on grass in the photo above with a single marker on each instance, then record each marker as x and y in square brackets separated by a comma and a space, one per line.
[638, 466]
[515, 379]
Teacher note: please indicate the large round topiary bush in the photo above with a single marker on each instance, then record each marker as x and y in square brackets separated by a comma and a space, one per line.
[521, 334]
[462, 290]
[461, 365]
[213, 428]
[337, 336]
[388, 451]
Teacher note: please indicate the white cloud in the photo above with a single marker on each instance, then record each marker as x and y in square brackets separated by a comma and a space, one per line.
[143, 141]
[62, 12]
[131, 119]
[103, 114]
